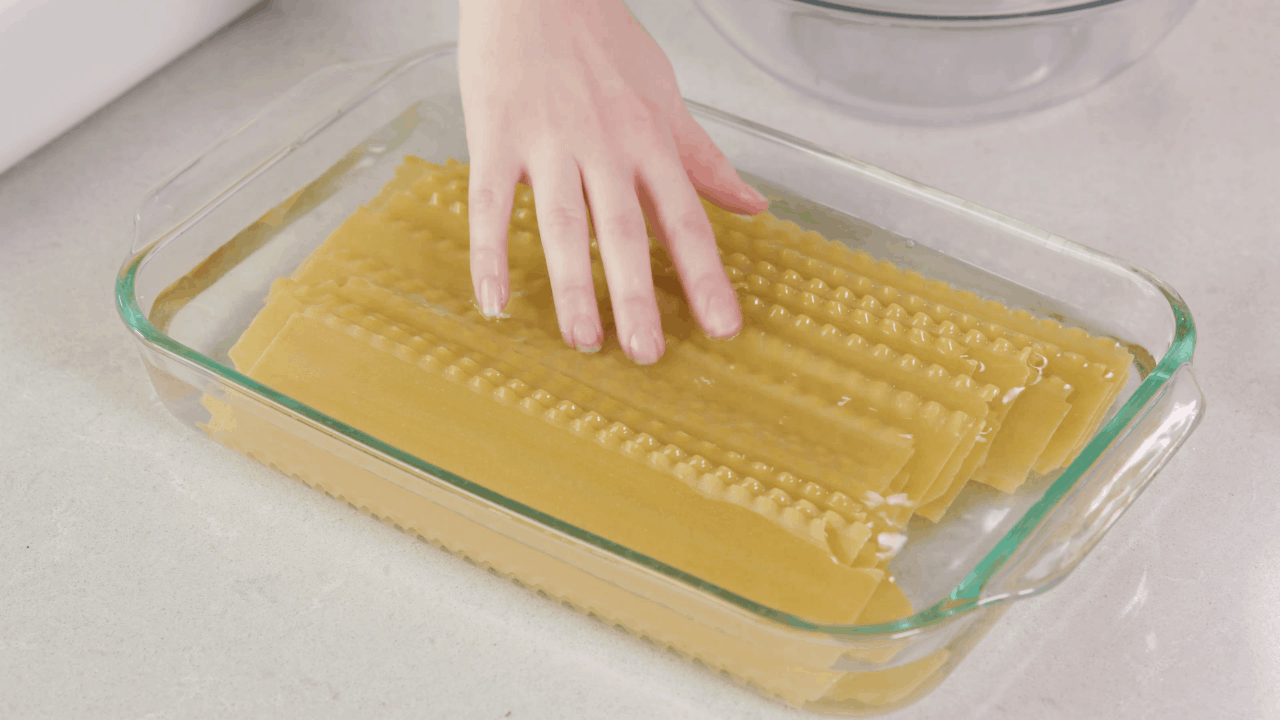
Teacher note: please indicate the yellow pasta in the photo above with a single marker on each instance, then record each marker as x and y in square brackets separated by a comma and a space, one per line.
[856, 397]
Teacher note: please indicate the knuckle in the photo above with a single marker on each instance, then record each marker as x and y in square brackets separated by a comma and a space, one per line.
[692, 224]
[576, 294]
[634, 117]
[486, 253]
[623, 227]
[708, 283]
[638, 304]
[485, 199]
[563, 220]
[487, 259]
[642, 116]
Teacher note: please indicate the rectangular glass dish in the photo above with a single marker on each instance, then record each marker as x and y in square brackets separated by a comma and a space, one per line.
[212, 238]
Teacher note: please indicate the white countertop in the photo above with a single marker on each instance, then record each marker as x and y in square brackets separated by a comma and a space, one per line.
[147, 572]
[115, 45]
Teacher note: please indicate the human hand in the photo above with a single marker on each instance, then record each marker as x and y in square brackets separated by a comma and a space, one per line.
[573, 95]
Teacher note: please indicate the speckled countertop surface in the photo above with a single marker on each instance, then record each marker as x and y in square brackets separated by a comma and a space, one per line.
[147, 572]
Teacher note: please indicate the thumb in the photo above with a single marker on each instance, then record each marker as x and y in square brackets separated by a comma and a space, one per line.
[709, 170]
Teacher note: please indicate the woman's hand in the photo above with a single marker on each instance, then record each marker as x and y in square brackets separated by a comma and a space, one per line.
[573, 95]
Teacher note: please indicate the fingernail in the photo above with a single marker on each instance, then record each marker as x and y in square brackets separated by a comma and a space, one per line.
[490, 298]
[723, 317]
[586, 336]
[645, 346]
[751, 193]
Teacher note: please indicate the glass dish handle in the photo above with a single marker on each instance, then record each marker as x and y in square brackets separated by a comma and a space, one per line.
[1088, 509]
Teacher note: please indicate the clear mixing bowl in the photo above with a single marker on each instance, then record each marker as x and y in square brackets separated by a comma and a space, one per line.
[944, 62]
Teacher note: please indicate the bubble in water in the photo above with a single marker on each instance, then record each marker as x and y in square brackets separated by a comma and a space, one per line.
[890, 543]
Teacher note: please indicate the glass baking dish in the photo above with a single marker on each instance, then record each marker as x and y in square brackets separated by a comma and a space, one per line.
[212, 238]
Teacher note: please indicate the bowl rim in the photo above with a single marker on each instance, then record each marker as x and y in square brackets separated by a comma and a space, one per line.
[847, 7]
[964, 598]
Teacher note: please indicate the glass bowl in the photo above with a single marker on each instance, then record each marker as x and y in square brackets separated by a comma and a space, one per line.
[212, 238]
[936, 63]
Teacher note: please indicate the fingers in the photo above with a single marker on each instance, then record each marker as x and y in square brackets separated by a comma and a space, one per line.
[490, 194]
[682, 223]
[562, 222]
[670, 179]
[709, 169]
[624, 251]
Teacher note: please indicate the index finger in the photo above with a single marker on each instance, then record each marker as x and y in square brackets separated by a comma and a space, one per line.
[490, 194]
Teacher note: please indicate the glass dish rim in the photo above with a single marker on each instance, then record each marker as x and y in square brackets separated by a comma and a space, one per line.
[964, 598]
[839, 6]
